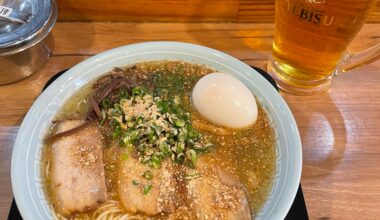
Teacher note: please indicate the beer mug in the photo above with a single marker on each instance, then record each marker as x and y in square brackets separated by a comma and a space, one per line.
[310, 42]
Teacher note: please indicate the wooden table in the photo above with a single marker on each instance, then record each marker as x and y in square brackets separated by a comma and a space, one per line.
[340, 129]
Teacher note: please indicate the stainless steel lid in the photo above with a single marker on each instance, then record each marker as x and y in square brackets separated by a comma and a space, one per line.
[24, 23]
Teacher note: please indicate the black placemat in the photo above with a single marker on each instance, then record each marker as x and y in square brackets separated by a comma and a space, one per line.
[298, 210]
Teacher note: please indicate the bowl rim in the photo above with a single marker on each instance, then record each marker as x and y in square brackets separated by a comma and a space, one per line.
[57, 85]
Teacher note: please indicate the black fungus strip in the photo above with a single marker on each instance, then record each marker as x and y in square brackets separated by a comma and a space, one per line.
[109, 89]
[70, 131]
[96, 108]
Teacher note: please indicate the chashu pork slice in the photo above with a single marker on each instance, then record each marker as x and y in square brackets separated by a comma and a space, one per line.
[77, 173]
[159, 195]
[216, 194]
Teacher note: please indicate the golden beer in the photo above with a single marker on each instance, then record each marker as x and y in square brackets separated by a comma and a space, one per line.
[311, 37]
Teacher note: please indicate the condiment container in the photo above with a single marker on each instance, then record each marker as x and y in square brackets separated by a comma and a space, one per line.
[23, 26]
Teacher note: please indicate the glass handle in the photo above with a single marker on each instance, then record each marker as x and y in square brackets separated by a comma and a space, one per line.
[354, 60]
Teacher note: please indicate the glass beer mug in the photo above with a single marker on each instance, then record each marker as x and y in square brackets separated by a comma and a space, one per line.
[311, 37]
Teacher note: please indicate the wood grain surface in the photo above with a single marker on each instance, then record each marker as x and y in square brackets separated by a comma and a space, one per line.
[339, 129]
[174, 10]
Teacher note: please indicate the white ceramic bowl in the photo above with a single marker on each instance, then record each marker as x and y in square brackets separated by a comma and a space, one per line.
[26, 157]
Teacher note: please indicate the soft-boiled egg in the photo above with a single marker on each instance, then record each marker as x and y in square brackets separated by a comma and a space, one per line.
[224, 100]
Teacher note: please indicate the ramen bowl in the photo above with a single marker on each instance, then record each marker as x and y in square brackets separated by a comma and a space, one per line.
[26, 173]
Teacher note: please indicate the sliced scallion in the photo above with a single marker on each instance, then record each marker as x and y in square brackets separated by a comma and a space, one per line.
[180, 158]
[179, 123]
[105, 103]
[147, 189]
[191, 155]
[137, 91]
[139, 119]
[147, 175]
[124, 156]
[155, 164]
[165, 149]
[141, 147]
[180, 147]
[123, 94]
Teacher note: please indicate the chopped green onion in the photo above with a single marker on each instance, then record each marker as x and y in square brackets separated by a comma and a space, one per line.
[159, 155]
[164, 91]
[191, 164]
[150, 135]
[180, 158]
[134, 136]
[147, 189]
[174, 131]
[147, 175]
[145, 159]
[192, 176]
[171, 141]
[117, 132]
[152, 138]
[191, 155]
[192, 158]
[156, 129]
[130, 124]
[123, 94]
[105, 103]
[130, 147]
[190, 143]
[172, 119]
[180, 147]
[156, 160]
[121, 143]
[135, 182]
[138, 91]
[155, 164]
[162, 106]
[139, 119]
[192, 134]
[186, 116]
[179, 123]
[126, 140]
[207, 148]
[174, 137]
[182, 135]
[123, 101]
[141, 147]
[124, 156]
[198, 147]
[131, 137]
[104, 118]
[165, 149]
[111, 167]
[118, 109]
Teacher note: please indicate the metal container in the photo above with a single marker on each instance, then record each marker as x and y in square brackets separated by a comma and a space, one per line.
[23, 26]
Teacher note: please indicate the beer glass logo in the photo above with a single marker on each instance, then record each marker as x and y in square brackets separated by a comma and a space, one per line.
[309, 14]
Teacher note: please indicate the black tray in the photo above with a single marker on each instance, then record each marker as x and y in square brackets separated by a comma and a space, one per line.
[298, 210]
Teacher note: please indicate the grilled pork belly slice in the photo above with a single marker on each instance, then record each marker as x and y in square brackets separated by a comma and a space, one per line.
[139, 194]
[77, 173]
[216, 194]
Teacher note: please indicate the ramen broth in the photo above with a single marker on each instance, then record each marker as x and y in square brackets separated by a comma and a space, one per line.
[247, 153]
